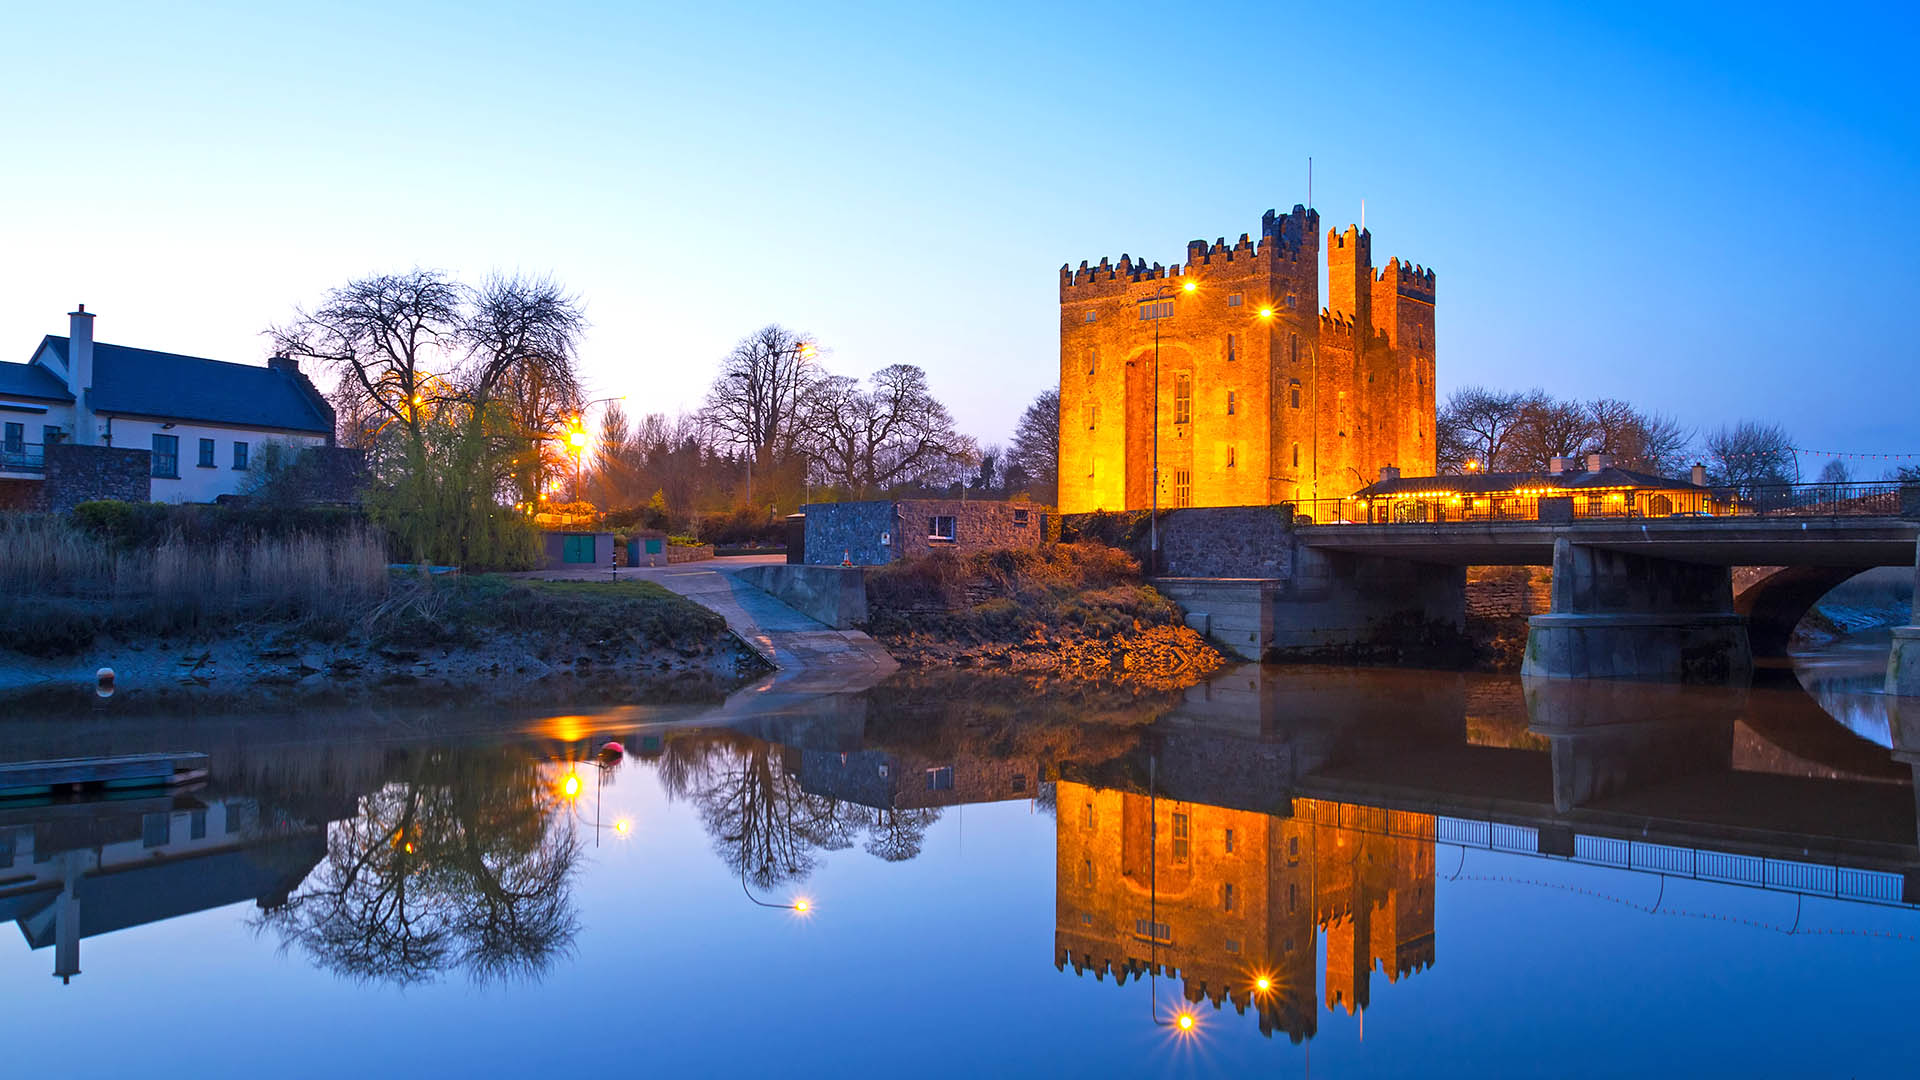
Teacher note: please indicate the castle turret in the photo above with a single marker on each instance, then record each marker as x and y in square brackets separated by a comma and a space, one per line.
[1350, 276]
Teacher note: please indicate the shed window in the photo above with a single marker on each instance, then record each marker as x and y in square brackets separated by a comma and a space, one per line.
[1020, 517]
[940, 779]
[940, 528]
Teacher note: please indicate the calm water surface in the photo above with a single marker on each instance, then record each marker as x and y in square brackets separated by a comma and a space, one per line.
[1433, 873]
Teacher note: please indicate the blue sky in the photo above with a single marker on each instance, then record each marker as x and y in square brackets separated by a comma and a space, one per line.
[1707, 210]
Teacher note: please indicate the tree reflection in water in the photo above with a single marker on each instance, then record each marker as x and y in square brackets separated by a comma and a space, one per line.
[765, 826]
[463, 862]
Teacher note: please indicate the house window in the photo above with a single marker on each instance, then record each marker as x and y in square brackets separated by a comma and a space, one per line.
[1232, 352]
[1093, 360]
[1155, 309]
[1020, 516]
[1183, 398]
[166, 456]
[1091, 414]
[16, 438]
[1229, 841]
[1180, 838]
[1182, 487]
[1232, 455]
[940, 528]
[206, 453]
[51, 434]
[1092, 315]
[940, 779]
[156, 829]
[1227, 899]
[239, 455]
[1230, 403]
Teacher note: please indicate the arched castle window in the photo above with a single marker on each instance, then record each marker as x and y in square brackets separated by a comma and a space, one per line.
[1232, 353]
[1296, 455]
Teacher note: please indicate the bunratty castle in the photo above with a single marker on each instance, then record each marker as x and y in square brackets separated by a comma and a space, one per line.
[1261, 398]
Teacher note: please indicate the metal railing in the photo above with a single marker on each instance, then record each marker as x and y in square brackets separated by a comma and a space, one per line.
[1883, 498]
[23, 456]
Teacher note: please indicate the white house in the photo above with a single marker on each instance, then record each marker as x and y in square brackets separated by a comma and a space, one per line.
[203, 421]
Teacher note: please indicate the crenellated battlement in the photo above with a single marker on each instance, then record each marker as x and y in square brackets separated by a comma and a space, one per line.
[1283, 239]
[1336, 327]
[1355, 239]
[1407, 278]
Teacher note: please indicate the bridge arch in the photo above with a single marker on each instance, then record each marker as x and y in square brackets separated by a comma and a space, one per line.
[1775, 598]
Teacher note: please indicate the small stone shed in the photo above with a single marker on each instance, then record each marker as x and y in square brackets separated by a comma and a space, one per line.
[567, 549]
[884, 530]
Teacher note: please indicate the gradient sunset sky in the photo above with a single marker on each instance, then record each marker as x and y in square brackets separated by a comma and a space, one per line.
[1709, 211]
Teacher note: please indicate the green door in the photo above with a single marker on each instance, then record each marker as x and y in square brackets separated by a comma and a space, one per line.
[576, 548]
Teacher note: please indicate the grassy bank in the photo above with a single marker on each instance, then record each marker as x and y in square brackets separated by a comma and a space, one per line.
[1073, 608]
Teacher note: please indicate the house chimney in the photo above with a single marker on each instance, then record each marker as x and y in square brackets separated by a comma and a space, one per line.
[1389, 472]
[284, 363]
[1699, 475]
[1557, 465]
[80, 373]
[1596, 462]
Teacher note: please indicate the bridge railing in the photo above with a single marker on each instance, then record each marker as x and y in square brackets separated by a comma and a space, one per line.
[1880, 498]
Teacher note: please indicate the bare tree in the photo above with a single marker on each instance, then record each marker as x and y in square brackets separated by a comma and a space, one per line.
[757, 400]
[889, 433]
[392, 337]
[1750, 454]
[1036, 447]
[1640, 440]
[1476, 427]
[521, 336]
[1547, 429]
[1835, 472]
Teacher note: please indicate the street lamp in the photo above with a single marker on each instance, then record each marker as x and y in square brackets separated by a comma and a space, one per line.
[1153, 520]
[577, 438]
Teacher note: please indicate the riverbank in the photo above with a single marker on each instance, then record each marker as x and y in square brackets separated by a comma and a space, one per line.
[1074, 610]
[486, 637]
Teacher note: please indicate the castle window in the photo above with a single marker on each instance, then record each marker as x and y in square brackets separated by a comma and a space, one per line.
[1296, 455]
[1293, 346]
[1230, 403]
[1155, 309]
[1293, 897]
[1291, 302]
[1227, 899]
[1093, 360]
[1086, 918]
[1229, 841]
[1182, 490]
[1232, 453]
[1090, 412]
[1092, 315]
[1233, 299]
[1233, 946]
[1086, 872]
[1232, 353]
[1156, 931]
[1180, 838]
[1086, 817]
[1183, 398]
[1293, 393]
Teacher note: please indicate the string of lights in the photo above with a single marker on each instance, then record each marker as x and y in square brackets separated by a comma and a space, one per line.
[1846, 454]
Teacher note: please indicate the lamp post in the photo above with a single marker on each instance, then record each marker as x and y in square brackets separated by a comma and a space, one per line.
[1153, 519]
[577, 437]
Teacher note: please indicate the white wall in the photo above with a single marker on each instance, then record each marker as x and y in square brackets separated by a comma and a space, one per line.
[197, 484]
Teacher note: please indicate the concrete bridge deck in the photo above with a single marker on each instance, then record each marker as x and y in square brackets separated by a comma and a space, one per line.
[1861, 542]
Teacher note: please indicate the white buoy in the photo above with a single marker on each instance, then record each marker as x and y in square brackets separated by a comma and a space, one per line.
[103, 682]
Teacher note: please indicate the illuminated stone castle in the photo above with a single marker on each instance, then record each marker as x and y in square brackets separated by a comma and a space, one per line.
[1263, 396]
[1214, 899]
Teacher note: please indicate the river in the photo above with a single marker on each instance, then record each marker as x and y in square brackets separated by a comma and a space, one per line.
[1279, 872]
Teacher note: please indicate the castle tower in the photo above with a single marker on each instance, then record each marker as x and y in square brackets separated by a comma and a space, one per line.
[1350, 275]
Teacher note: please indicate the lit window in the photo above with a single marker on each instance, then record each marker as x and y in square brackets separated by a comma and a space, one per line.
[1232, 353]
[1233, 299]
[1182, 487]
[1155, 309]
[1183, 398]
[940, 528]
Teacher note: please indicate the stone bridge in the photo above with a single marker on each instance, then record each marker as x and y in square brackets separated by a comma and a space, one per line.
[1631, 598]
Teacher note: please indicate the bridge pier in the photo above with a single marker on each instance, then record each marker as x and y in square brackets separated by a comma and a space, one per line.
[1617, 615]
[1903, 666]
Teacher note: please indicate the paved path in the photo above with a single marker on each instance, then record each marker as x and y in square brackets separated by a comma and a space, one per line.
[807, 653]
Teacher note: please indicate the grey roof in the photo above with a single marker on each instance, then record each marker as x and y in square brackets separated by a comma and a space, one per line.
[1495, 483]
[33, 381]
[141, 382]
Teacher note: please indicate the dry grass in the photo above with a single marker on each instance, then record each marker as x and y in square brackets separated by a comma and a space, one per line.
[57, 576]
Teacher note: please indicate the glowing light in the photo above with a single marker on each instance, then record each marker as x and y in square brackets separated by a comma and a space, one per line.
[807, 351]
[1472, 465]
[1263, 984]
[622, 826]
[408, 848]
[570, 786]
[1185, 1021]
[1266, 313]
[1190, 286]
[803, 906]
[578, 439]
